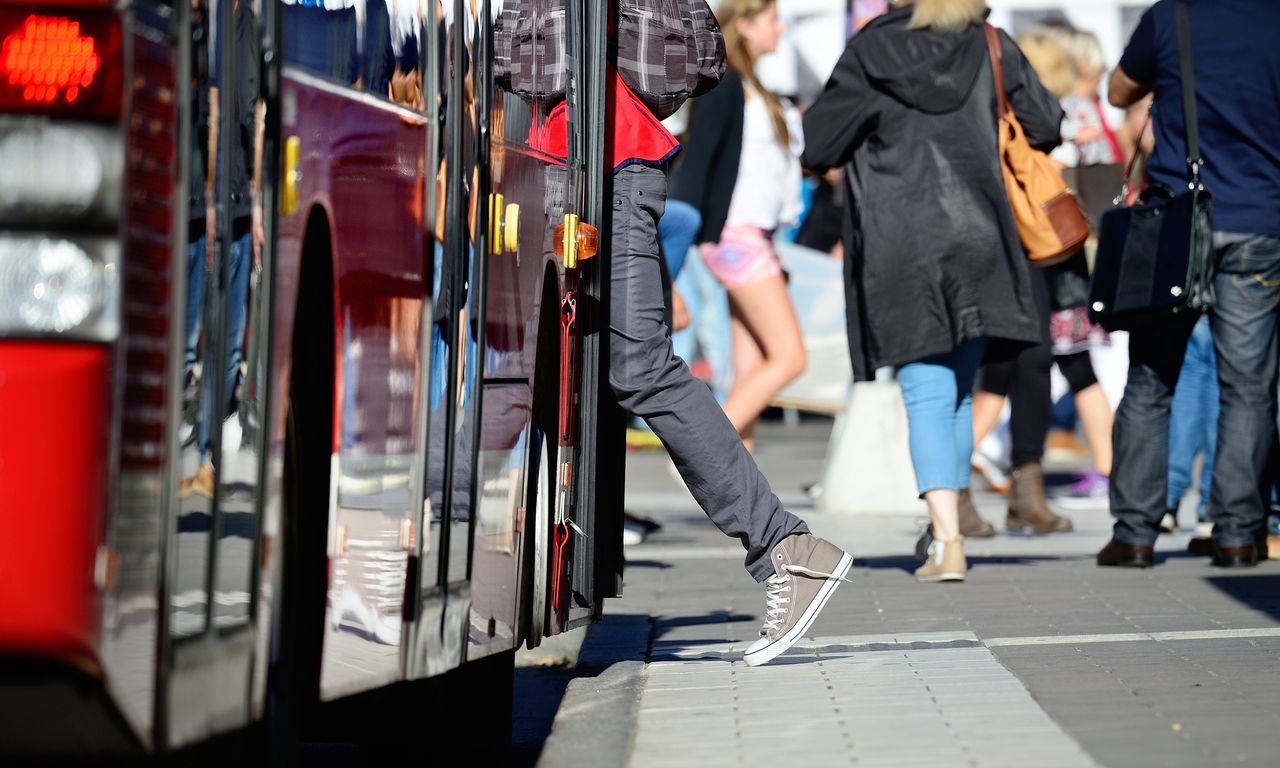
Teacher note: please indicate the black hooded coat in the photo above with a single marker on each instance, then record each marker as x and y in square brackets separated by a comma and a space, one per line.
[932, 256]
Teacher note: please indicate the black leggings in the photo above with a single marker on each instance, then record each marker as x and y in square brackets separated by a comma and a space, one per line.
[1077, 368]
[1025, 381]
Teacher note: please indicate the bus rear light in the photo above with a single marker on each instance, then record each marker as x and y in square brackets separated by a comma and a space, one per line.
[60, 64]
[53, 287]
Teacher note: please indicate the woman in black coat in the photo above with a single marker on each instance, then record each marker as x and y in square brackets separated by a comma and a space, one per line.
[934, 274]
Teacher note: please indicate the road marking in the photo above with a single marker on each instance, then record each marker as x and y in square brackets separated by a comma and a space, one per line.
[1131, 637]
[932, 641]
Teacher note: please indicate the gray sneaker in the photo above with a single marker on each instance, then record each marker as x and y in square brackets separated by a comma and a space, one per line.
[807, 572]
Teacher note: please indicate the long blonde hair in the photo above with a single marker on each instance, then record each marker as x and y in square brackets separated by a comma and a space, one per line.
[946, 15]
[728, 13]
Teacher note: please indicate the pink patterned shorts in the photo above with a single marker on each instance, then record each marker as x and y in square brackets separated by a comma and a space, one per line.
[743, 256]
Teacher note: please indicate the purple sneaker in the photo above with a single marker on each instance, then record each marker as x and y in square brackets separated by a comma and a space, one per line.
[1091, 491]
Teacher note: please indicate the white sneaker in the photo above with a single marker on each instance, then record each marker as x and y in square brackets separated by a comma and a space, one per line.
[632, 533]
[807, 571]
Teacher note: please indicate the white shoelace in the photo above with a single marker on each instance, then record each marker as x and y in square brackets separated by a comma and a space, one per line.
[776, 586]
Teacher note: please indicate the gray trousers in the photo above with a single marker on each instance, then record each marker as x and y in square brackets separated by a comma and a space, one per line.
[652, 383]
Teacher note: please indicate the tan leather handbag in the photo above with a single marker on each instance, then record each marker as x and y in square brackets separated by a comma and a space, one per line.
[1050, 223]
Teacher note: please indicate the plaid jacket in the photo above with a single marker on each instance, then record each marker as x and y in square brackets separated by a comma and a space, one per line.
[668, 50]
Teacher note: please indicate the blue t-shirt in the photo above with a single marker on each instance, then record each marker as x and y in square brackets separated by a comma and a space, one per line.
[1236, 58]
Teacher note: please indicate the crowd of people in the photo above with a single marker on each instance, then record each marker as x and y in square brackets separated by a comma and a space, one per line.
[906, 128]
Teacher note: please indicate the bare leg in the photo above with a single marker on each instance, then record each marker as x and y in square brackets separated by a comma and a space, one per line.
[1096, 418]
[944, 513]
[765, 311]
[748, 359]
[987, 408]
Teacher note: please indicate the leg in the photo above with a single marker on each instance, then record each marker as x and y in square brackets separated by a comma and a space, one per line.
[936, 393]
[195, 303]
[987, 408]
[1091, 405]
[652, 383]
[677, 230]
[968, 357]
[748, 359]
[1140, 438]
[1211, 404]
[1188, 415]
[765, 311]
[1247, 287]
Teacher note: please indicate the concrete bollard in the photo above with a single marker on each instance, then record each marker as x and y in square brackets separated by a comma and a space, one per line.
[868, 468]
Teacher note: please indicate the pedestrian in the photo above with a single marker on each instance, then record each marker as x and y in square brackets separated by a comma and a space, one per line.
[1239, 136]
[742, 172]
[935, 275]
[1193, 431]
[800, 570]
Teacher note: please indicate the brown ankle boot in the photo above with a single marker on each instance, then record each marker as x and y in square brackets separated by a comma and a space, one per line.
[972, 526]
[1027, 506]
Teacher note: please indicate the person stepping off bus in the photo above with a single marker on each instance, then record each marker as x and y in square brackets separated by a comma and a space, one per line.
[799, 570]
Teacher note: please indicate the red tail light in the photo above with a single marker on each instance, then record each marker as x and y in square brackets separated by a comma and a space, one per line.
[60, 63]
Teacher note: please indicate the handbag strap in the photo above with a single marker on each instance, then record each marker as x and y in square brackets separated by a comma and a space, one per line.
[997, 68]
[1182, 15]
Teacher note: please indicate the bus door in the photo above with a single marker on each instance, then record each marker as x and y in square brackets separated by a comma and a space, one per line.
[214, 546]
[587, 529]
[457, 317]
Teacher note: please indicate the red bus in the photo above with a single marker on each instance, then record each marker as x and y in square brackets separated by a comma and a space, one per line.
[300, 371]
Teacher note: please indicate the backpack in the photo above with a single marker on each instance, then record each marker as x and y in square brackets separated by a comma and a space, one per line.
[668, 50]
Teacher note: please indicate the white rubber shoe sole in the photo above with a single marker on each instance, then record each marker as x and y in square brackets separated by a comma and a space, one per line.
[754, 656]
[948, 576]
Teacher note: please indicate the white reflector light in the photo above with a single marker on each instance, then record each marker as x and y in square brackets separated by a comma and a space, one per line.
[49, 285]
[50, 170]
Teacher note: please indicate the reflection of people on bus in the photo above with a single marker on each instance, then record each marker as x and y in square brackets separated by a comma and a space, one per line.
[246, 236]
[453, 314]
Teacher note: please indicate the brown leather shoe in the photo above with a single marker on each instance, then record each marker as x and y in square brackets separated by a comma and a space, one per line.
[972, 526]
[1245, 556]
[1118, 553]
[1235, 557]
[1028, 509]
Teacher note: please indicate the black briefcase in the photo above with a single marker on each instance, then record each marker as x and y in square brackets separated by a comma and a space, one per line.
[1153, 259]
[1156, 258]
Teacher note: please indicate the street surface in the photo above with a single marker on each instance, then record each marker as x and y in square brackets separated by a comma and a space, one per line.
[1040, 659]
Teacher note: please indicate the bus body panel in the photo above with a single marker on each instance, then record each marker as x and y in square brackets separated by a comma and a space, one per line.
[53, 481]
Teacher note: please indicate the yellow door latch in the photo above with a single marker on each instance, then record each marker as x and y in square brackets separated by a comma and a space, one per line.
[575, 241]
[504, 225]
[290, 175]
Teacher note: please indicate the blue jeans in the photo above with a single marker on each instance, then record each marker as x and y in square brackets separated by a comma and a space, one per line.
[938, 394]
[195, 302]
[708, 305]
[1247, 286]
[1247, 289]
[677, 228]
[237, 307]
[1193, 424]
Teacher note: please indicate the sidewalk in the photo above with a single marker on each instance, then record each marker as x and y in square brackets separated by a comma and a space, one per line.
[1040, 659]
